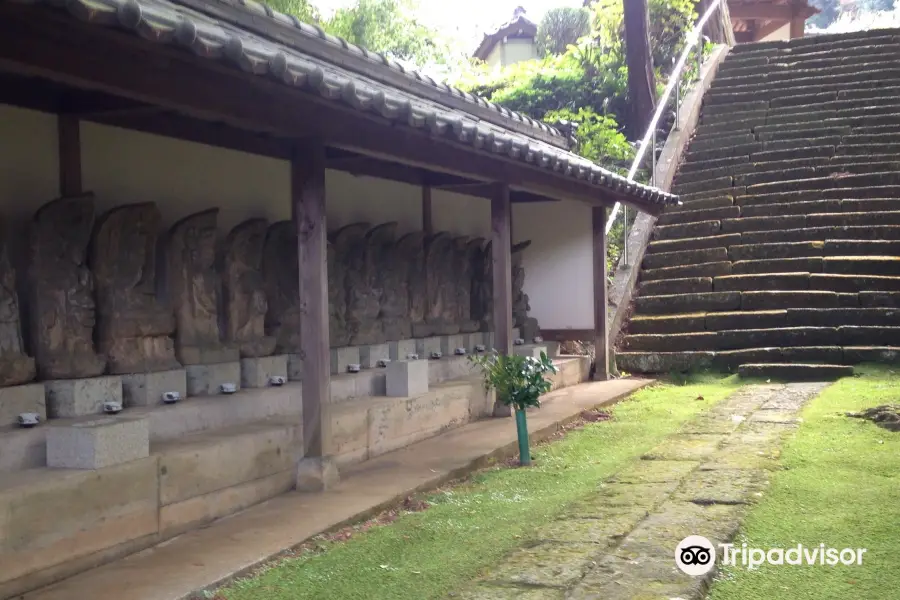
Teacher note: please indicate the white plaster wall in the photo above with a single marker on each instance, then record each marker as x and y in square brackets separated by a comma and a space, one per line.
[519, 49]
[559, 263]
[29, 167]
[781, 34]
[463, 215]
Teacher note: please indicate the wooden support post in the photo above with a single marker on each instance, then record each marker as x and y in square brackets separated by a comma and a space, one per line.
[69, 133]
[501, 257]
[601, 321]
[798, 25]
[308, 207]
[427, 219]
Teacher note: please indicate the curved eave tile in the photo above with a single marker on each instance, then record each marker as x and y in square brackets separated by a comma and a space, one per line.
[157, 22]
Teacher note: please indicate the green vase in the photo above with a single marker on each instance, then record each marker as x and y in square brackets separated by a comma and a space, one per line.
[522, 432]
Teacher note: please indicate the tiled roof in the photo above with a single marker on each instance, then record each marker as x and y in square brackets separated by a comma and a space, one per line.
[519, 22]
[167, 22]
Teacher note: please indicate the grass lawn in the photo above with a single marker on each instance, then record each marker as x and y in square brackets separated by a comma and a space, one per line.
[472, 526]
[841, 487]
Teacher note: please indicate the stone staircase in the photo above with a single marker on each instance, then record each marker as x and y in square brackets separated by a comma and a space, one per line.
[785, 255]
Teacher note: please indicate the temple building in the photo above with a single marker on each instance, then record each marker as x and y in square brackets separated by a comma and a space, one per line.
[240, 254]
[769, 20]
[512, 42]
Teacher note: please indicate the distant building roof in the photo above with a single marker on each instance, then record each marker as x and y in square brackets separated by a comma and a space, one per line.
[519, 26]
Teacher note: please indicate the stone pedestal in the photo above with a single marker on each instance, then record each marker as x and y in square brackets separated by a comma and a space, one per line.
[425, 346]
[257, 372]
[147, 389]
[401, 349]
[516, 333]
[98, 442]
[17, 399]
[295, 367]
[370, 355]
[70, 398]
[449, 343]
[317, 474]
[407, 378]
[206, 380]
[530, 350]
[341, 357]
[474, 339]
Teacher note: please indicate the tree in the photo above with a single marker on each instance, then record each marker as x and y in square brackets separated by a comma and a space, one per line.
[560, 28]
[641, 80]
[829, 12]
[301, 9]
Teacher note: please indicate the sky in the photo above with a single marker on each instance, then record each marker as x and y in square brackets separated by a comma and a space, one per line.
[469, 19]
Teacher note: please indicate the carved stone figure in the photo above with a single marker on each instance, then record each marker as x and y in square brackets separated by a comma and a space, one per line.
[462, 259]
[528, 326]
[441, 313]
[392, 262]
[243, 286]
[15, 366]
[194, 287]
[282, 285]
[337, 299]
[61, 290]
[414, 244]
[375, 254]
[360, 285]
[484, 280]
[134, 328]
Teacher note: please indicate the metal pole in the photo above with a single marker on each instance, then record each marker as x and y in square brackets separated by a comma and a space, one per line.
[653, 160]
[624, 235]
[677, 101]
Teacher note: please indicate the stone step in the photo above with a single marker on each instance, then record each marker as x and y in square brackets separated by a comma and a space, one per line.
[857, 193]
[696, 216]
[688, 230]
[709, 269]
[821, 206]
[794, 372]
[840, 106]
[695, 243]
[726, 119]
[763, 281]
[861, 248]
[717, 153]
[706, 201]
[853, 218]
[739, 339]
[879, 299]
[708, 185]
[808, 264]
[805, 79]
[853, 283]
[787, 72]
[866, 149]
[863, 265]
[825, 183]
[716, 163]
[718, 141]
[738, 107]
[681, 285]
[757, 252]
[680, 303]
[850, 232]
[684, 257]
[805, 91]
[812, 151]
[836, 317]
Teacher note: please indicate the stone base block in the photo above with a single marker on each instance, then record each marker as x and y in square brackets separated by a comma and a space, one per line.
[530, 350]
[449, 343]
[295, 367]
[401, 349]
[71, 398]
[257, 372]
[516, 333]
[474, 339]
[146, 389]
[206, 380]
[407, 378]
[341, 357]
[425, 346]
[19, 399]
[317, 474]
[370, 355]
[98, 443]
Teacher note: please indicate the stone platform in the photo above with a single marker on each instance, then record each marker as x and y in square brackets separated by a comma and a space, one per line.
[232, 546]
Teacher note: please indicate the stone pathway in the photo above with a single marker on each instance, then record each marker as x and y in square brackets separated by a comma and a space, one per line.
[620, 543]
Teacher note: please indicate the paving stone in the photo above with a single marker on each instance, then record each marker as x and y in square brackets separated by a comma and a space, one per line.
[634, 494]
[487, 591]
[654, 471]
[685, 447]
[603, 532]
[651, 578]
[725, 486]
[552, 564]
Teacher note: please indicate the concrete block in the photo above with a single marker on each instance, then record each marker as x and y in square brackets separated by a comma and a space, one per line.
[341, 357]
[206, 380]
[530, 350]
[61, 516]
[96, 443]
[205, 462]
[449, 343]
[357, 385]
[516, 333]
[146, 389]
[425, 346]
[71, 398]
[19, 399]
[316, 475]
[295, 367]
[256, 372]
[22, 449]
[488, 339]
[474, 339]
[407, 378]
[449, 368]
[370, 355]
[401, 349]
[349, 441]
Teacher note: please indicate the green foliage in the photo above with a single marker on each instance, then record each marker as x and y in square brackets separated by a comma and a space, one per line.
[302, 9]
[519, 381]
[560, 28]
[598, 137]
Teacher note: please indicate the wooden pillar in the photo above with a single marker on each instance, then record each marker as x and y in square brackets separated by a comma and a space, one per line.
[308, 207]
[427, 219]
[601, 321]
[501, 263]
[69, 134]
[798, 24]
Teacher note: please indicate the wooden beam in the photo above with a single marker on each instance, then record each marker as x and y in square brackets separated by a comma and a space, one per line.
[308, 208]
[764, 12]
[798, 26]
[69, 132]
[427, 215]
[37, 42]
[601, 308]
[501, 262]
[568, 335]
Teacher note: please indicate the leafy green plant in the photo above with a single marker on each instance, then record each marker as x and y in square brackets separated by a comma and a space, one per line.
[519, 382]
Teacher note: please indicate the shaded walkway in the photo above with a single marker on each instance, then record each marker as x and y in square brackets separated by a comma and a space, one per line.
[620, 543]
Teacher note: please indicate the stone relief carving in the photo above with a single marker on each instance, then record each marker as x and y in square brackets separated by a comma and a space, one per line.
[194, 287]
[463, 275]
[339, 335]
[484, 277]
[15, 366]
[61, 290]
[440, 290]
[134, 328]
[528, 327]
[244, 289]
[282, 285]
[355, 284]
